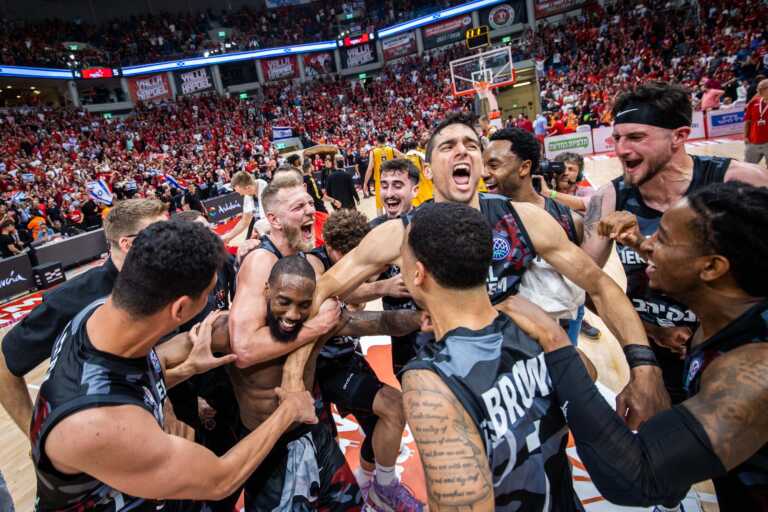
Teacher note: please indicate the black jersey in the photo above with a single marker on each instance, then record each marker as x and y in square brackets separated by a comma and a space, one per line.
[653, 307]
[513, 250]
[82, 377]
[391, 303]
[745, 487]
[563, 215]
[338, 345]
[499, 375]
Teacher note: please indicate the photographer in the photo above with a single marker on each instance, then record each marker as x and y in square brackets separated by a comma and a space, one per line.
[564, 173]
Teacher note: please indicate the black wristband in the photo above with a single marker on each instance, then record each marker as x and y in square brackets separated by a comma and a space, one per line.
[639, 355]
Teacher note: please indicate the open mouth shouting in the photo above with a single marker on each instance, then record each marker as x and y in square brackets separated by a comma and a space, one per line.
[461, 174]
[307, 231]
[392, 205]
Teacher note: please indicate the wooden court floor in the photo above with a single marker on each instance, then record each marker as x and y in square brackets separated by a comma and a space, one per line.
[16, 465]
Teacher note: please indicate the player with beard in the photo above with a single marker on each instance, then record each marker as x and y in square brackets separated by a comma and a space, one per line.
[400, 185]
[346, 379]
[306, 467]
[454, 163]
[652, 125]
[709, 253]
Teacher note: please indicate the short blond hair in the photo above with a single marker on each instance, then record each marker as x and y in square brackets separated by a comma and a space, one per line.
[280, 181]
[242, 179]
[124, 218]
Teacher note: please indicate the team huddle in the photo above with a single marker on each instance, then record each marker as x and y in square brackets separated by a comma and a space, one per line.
[478, 290]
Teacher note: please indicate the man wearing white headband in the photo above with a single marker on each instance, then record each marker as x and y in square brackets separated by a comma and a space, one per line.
[652, 124]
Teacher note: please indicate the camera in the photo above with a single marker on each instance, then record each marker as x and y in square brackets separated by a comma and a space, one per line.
[549, 170]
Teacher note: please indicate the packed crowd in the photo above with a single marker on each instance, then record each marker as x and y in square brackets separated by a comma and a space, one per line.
[717, 51]
[155, 37]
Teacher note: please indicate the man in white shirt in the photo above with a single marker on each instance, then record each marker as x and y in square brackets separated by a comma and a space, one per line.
[250, 188]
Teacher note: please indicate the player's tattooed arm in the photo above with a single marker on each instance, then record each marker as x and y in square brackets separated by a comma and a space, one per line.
[601, 204]
[731, 403]
[451, 449]
[372, 323]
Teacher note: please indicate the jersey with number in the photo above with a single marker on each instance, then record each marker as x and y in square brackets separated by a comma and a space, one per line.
[82, 377]
[513, 250]
[654, 307]
[499, 376]
[745, 487]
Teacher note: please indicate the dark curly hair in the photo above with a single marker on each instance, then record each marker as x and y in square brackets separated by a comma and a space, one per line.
[167, 260]
[523, 144]
[732, 220]
[344, 229]
[453, 241]
[467, 120]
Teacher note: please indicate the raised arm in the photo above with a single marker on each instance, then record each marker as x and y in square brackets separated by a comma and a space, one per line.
[378, 249]
[103, 443]
[250, 337]
[451, 449]
[645, 391]
[598, 247]
[373, 323]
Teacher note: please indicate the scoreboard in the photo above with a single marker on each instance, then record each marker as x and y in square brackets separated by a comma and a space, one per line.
[477, 37]
[348, 41]
[96, 73]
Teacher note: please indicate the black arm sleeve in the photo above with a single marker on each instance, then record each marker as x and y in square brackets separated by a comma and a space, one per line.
[670, 452]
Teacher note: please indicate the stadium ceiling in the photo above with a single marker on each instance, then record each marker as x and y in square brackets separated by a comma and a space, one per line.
[195, 62]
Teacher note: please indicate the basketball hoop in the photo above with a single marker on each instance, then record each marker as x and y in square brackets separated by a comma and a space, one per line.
[482, 88]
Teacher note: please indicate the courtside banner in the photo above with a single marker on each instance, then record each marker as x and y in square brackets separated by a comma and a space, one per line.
[149, 88]
[359, 55]
[577, 142]
[504, 16]
[317, 64]
[195, 81]
[282, 68]
[602, 138]
[447, 32]
[399, 46]
[697, 126]
[544, 8]
[223, 207]
[274, 4]
[725, 122]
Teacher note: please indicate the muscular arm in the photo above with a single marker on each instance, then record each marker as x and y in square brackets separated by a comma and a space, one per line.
[451, 449]
[250, 337]
[596, 246]
[378, 249]
[241, 226]
[102, 443]
[575, 203]
[15, 398]
[748, 173]
[388, 323]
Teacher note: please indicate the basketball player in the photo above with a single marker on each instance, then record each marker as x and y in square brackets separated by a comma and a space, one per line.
[377, 156]
[30, 341]
[245, 185]
[347, 380]
[511, 159]
[97, 438]
[708, 252]
[454, 163]
[652, 124]
[400, 186]
[489, 431]
[416, 157]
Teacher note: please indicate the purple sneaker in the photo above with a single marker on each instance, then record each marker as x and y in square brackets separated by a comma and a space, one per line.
[391, 498]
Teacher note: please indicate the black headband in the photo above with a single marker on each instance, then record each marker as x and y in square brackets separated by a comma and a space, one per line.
[646, 113]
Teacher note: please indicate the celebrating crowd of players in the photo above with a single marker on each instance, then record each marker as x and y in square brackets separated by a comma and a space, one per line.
[474, 285]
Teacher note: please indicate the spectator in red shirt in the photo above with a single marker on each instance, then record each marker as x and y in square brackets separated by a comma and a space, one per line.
[756, 126]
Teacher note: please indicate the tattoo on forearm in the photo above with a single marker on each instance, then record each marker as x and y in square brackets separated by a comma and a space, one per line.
[594, 212]
[454, 460]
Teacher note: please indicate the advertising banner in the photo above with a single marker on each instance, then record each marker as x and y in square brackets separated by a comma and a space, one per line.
[149, 88]
[504, 16]
[317, 64]
[15, 275]
[602, 138]
[191, 82]
[223, 207]
[544, 8]
[273, 4]
[359, 55]
[282, 68]
[399, 45]
[697, 126]
[725, 122]
[447, 32]
[578, 142]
